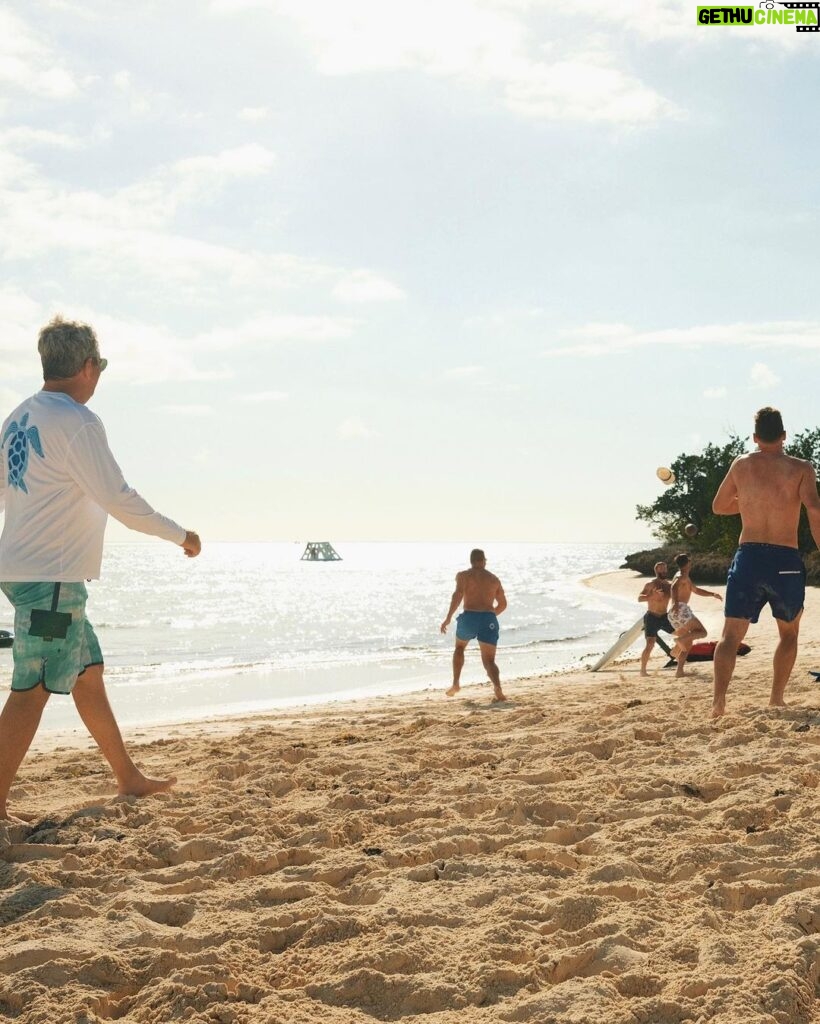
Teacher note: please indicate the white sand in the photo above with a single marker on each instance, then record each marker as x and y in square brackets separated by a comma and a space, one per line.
[594, 852]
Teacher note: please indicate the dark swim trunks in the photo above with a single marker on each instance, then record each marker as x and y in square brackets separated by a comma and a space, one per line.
[652, 624]
[482, 626]
[765, 574]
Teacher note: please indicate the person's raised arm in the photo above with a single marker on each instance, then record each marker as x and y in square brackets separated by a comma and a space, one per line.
[455, 601]
[647, 590]
[809, 497]
[725, 500]
[95, 470]
[500, 600]
[705, 593]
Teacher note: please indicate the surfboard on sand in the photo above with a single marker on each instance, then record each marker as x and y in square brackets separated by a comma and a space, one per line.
[626, 638]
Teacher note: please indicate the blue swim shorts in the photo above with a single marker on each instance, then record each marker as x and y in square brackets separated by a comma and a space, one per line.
[765, 574]
[54, 663]
[481, 626]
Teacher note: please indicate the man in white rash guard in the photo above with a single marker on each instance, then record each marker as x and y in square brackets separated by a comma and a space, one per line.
[58, 484]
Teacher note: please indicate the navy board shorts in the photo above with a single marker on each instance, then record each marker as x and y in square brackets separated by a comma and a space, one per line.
[58, 662]
[763, 574]
[481, 626]
[653, 624]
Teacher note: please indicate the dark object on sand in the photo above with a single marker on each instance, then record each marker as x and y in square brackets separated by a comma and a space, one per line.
[6, 638]
[815, 674]
[706, 651]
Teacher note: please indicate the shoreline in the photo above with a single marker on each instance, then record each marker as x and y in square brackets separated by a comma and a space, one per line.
[624, 584]
[594, 851]
[48, 739]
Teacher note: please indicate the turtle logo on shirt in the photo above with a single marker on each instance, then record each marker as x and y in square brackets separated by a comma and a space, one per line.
[21, 436]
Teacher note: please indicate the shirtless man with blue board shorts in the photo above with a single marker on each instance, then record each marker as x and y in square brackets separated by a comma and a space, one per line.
[766, 488]
[484, 601]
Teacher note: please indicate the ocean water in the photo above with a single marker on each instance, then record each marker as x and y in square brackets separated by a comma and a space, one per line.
[249, 627]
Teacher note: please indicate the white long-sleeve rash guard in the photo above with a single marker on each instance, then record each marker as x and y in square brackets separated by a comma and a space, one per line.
[60, 482]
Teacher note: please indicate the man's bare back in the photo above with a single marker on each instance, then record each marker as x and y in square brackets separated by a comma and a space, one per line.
[480, 589]
[767, 489]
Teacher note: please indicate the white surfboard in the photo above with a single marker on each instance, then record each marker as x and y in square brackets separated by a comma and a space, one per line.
[626, 638]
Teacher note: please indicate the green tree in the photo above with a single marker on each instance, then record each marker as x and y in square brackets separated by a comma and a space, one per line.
[689, 500]
[697, 478]
[805, 445]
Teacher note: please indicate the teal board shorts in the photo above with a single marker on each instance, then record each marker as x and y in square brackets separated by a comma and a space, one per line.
[54, 663]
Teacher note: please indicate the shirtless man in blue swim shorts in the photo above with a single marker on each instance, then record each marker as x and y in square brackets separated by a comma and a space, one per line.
[484, 601]
[766, 489]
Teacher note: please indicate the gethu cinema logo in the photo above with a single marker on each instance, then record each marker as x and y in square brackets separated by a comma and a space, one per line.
[804, 16]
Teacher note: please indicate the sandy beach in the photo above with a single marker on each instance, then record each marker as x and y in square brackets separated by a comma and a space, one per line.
[594, 851]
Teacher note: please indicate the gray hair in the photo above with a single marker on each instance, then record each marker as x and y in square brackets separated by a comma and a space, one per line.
[64, 346]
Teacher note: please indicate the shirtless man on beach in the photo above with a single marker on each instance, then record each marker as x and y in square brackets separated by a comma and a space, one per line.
[484, 601]
[656, 594]
[766, 489]
[688, 628]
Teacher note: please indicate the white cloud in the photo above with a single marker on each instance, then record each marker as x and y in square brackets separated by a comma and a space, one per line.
[715, 393]
[254, 114]
[27, 64]
[24, 137]
[484, 43]
[130, 233]
[598, 339]
[262, 330]
[365, 286]
[463, 372]
[353, 428]
[265, 396]
[21, 318]
[9, 399]
[187, 410]
[761, 377]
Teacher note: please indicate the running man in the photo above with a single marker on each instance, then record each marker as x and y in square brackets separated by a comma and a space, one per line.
[484, 601]
[688, 628]
[657, 594]
[766, 489]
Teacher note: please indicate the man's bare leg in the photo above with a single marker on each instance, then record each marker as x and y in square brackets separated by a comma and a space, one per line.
[694, 630]
[650, 643]
[734, 630]
[784, 657]
[95, 711]
[458, 665]
[488, 661]
[18, 724]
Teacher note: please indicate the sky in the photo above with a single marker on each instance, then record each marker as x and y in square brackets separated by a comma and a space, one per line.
[379, 270]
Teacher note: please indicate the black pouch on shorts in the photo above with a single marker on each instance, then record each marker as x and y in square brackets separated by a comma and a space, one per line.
[50, 624]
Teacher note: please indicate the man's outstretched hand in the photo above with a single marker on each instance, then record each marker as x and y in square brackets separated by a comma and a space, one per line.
[192, 545]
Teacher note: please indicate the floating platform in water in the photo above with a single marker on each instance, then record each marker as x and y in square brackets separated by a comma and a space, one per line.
[320, 551]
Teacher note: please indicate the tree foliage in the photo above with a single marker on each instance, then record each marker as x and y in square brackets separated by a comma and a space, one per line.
[697, 478]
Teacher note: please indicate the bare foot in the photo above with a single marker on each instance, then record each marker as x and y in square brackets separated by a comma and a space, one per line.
[16, 819]
[778, 704]
[141, 785]
[680, 674]
[453, 690]
[498, 695]
[645, 674]
[718, 708]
